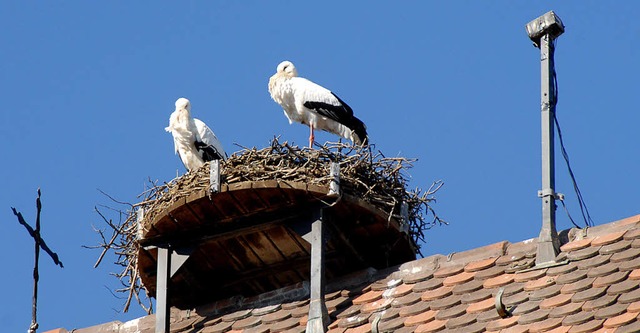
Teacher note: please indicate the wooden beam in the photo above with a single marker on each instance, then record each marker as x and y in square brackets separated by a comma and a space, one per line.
[224, 230]
[344, 242]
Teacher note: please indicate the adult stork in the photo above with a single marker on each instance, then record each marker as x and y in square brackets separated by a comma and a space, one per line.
[194, 141]
[306, 102]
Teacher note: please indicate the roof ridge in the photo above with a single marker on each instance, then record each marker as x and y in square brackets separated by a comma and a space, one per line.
[293, 292]
[454, 291]
[112, 326]
[603, 229]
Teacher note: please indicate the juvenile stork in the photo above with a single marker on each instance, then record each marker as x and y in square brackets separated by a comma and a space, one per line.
[194, 141]
[308, 103]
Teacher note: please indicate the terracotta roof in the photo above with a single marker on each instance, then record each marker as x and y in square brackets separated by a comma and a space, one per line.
[595, 291]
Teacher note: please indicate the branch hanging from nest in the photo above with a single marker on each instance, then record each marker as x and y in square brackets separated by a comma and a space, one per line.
[379, 180]
[122, 241]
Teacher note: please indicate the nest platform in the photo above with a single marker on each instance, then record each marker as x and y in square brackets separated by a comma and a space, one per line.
[247, 236]
[247, 239]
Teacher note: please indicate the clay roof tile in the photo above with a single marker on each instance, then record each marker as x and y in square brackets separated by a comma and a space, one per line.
[448, 271]
[576, 245]
[480, 265]
[596, 291]
[608, 238]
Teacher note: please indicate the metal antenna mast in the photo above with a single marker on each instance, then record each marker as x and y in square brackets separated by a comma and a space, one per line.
[39, 243]
[543, 31]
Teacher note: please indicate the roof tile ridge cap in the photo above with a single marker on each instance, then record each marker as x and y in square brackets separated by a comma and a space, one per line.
[219, 307]
[479, 253]
[528, 245]
[630, 220]
[623, 224]
[437, 261]
[104, 327]
[409, 268]
[354, 279]
[295, 292]
[139, 324]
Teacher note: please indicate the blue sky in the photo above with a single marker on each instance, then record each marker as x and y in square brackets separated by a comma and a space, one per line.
[87, 91]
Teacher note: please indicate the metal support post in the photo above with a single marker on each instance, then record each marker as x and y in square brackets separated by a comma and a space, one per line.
[548, 242]
[169, 261]
[334, 173]
[162, 290]
[214, 176]
[543, 31]
[318, 315]
[404, 213]
[139, 221]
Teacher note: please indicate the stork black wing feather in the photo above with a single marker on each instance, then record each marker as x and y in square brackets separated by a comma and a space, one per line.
[209, 153]
[341, 113]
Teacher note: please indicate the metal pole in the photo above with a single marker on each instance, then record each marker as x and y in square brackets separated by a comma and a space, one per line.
[36, 276]
[35, 233]
[318, 314]
[548, 244]
[162, 290]
[34, 305]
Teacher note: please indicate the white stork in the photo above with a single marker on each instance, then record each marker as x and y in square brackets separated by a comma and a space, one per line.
[194, 141]
[311, 104]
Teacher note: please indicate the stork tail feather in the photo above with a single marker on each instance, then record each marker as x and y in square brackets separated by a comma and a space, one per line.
[360, 132]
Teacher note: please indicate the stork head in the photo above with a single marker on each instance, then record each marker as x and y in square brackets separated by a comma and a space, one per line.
[183, 103]
[287, 69]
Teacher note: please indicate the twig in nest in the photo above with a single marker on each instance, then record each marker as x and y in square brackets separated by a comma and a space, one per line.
[122, 242]
[364, 173]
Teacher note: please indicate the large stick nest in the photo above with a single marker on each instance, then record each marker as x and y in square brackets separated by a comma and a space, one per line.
[381, 181]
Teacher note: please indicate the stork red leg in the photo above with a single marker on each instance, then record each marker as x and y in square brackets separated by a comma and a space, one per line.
[311, 136]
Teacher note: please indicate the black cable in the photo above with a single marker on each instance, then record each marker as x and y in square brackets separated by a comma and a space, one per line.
[554, 101]
[583, 206]
[554, 85]
[569, 215]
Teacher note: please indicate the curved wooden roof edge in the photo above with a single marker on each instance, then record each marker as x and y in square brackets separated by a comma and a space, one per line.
[319, 192]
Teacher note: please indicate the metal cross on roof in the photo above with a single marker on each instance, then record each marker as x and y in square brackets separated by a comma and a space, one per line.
[39, 243]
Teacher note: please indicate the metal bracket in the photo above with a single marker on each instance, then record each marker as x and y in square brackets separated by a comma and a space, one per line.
[550, 193]
[404, 213]
[375, 323]
[302, 227]
[502, 310]
[139, 218]
[214, 176]
[178, 257]
[334, 173]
